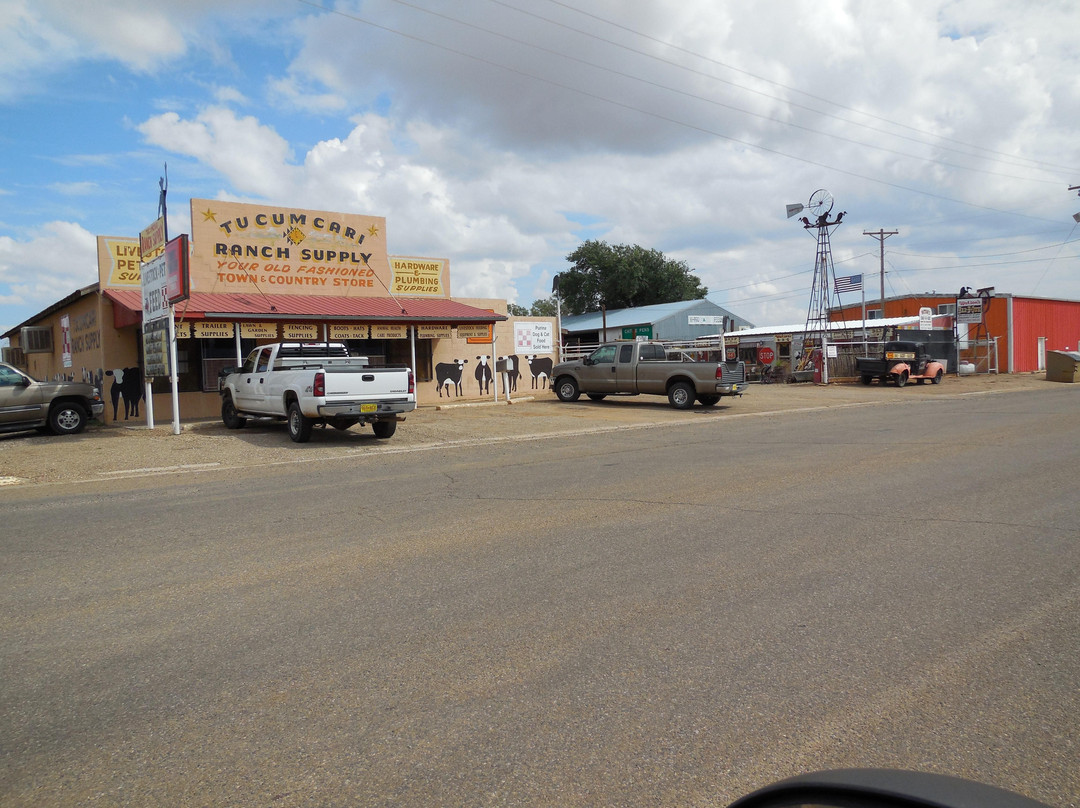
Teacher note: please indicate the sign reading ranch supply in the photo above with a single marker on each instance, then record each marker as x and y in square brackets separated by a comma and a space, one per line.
[251, 248]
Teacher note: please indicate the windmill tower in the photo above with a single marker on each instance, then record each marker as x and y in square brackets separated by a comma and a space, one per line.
[822, 295]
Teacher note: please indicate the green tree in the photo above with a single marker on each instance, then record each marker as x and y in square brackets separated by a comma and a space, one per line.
[624, 276]
[514, 310]
[544, 308]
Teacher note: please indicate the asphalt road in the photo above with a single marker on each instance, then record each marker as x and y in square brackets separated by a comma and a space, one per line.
[664, 615]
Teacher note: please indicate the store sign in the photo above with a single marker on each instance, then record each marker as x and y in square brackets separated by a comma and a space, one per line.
[152, 239]
[348, 331]
[183, 330]
[240, 247]
[420, 277]
[154, 278]
[926, 318]
[209, 329]
[634, 332]
[65, 339]
[299, 331]
[433, 332]
[384, 331]
[969, 310]
[473, 331]
[267, 331]
[156, 349]
[534, 338]
[118, 262]
[705, 319]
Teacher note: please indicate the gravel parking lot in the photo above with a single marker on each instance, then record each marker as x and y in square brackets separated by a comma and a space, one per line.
[119, 451]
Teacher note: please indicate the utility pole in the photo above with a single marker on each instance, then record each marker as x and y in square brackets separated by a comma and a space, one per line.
[881, 235]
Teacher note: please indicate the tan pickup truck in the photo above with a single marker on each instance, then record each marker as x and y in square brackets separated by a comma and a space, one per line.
[634, 368]
[59, 407]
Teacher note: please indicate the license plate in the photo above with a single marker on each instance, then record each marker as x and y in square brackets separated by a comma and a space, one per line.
[734, 388]
[369, 408]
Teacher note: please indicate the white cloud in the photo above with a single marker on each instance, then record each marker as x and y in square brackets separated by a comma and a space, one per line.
[250, 156]
[46, 267]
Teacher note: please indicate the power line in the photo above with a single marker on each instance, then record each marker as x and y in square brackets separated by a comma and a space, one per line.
[668, 119]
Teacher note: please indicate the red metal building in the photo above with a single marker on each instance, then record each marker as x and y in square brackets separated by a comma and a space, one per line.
[1023, 328]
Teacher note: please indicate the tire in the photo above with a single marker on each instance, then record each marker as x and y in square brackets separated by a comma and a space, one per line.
[229, 416]
[681, 396]
[567, 389]
[866, 378]
[344, 423]
[384, 429]
[937, 377]
[708, 401]
[67, 418]
[597, 396]
[901, 379]
[299, 424]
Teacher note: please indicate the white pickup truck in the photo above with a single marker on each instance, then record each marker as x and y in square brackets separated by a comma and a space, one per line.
[315, 383]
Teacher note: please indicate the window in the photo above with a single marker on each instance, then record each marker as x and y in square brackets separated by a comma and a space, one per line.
[10, 378]
[603, 355]
[626, 354]
[946, 308]
[873, 314]
[653, 353]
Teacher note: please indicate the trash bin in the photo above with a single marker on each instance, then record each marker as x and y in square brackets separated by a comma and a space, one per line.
[1063, 366]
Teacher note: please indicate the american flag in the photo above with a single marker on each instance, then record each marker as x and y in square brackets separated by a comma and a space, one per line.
[852, 283]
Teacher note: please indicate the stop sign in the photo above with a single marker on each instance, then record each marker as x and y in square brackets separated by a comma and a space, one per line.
[766, 355]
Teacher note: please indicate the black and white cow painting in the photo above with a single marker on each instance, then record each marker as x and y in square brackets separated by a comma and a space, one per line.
[482, 374]
[541, 369]
[447, 373]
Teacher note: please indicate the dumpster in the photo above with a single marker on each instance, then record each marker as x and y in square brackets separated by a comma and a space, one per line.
[1063, 366]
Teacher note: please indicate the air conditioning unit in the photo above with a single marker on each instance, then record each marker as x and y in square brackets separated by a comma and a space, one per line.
[36, 339]
[13, 356]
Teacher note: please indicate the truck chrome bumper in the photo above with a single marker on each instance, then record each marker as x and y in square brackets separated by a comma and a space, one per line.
[361, 408]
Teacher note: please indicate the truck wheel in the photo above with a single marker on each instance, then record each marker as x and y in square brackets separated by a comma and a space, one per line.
[708, 401]
[67, 418]
[901, 379]
[567, 389]
[229, 416]
[299, 424]
[596, 396]
[681, 396]
[937, 377]
[384, 429]
[866, 378]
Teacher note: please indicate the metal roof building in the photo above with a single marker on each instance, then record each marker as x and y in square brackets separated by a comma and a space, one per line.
[684, 320]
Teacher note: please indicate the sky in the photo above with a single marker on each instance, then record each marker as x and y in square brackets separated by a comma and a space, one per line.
[500, 134]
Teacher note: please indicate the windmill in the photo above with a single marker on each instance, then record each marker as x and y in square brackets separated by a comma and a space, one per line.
[816, 332]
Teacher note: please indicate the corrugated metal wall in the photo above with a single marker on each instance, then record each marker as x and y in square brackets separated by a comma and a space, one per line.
[1056, 320]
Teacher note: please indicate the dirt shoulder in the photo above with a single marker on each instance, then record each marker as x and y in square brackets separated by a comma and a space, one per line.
[121, 451]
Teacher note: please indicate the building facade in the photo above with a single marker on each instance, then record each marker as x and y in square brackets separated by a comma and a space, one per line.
[260, 274]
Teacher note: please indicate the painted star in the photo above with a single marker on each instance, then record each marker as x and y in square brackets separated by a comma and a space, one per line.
[209, 216]
[373, 231]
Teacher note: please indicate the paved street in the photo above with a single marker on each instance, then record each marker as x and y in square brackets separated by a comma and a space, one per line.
[670, 614]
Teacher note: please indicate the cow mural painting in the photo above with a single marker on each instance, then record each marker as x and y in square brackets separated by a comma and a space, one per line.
[127, 384]
[541, 370]
[449, 373]
[482, 374]
[513, 372]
